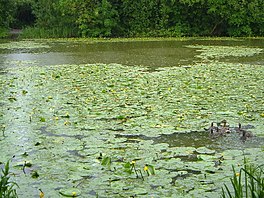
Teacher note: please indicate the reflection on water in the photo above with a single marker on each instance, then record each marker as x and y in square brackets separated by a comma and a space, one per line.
[145, 53]
[154, 54]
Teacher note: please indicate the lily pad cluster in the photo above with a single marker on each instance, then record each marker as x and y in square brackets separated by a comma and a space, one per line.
[25, 44]
[82, 126]
[212, 52]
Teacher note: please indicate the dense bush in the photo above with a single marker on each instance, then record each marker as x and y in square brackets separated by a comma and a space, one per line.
[6, 17]
[129, 18]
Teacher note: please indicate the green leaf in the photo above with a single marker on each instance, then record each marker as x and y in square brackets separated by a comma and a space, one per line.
[41, 119]
[106, 161]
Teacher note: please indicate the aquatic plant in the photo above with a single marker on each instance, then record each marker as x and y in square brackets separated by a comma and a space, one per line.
[41, 194]
[129, 114]
[7, 187]
[129, 167]
[3, 130]
[248, 182]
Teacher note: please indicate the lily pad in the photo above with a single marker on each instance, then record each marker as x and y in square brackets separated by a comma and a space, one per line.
[204, 150]
[210, 52]
[83, 124]
[70, 192]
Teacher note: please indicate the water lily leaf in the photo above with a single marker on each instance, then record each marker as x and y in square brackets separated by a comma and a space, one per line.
[34, 174]
[204, 150]
[24, 92]
[41, 119]
[12, 99]
[70, 192]
[140, 191]
[129, 114]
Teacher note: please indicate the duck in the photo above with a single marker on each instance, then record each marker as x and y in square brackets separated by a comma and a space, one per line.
[224, 127]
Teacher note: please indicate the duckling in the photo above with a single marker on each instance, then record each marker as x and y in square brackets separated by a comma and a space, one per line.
[225, 128]
[239, 128]
[214, 133]
[212, 127]
[245, 134]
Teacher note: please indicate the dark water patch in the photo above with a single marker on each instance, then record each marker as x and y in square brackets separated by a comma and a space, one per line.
[190, 171]
[132, 136]
[183, 174]
[76, 153]
[44, 131]
[116, 129]
[180, 177]
[201, 139]
[188, 158]
[188, 139]
[3, 72]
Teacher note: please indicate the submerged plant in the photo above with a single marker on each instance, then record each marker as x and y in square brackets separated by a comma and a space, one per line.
[248, 183]
[3, 130]
[7, 188]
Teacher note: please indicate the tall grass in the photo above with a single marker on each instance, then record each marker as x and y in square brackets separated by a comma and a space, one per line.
[7, 187]
[248, 183]
[55, 32]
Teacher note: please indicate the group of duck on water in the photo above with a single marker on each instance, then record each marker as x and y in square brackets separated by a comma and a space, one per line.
[223, 128]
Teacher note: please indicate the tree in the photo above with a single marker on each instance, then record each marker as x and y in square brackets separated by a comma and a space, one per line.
[240, 18]
[113, 18]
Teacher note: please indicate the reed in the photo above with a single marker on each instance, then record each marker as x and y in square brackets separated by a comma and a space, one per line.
[247, 183]
[55, 32]
[7, 187]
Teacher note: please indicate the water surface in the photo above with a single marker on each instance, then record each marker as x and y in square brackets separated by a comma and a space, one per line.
[68, 107]
[146, 53]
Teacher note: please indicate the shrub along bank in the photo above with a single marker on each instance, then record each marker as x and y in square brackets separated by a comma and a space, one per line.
[130, 18]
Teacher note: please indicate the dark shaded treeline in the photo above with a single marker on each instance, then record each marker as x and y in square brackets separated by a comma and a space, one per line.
[130, 18]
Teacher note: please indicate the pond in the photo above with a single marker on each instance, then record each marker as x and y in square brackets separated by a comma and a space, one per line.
[127, 117]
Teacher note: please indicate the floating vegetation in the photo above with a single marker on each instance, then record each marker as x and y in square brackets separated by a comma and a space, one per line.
[24, 44]
[215, 52]
[134, 98]
[21, 63]
[110, 130]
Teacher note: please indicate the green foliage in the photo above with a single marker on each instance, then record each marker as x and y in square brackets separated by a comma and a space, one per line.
[106, 161]
[248, 183]
[56, 32]
[7, 188]
[3, 32]
[239, 18]
[6, 11]
[104, 19]
[114, 18]
[6, 16]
